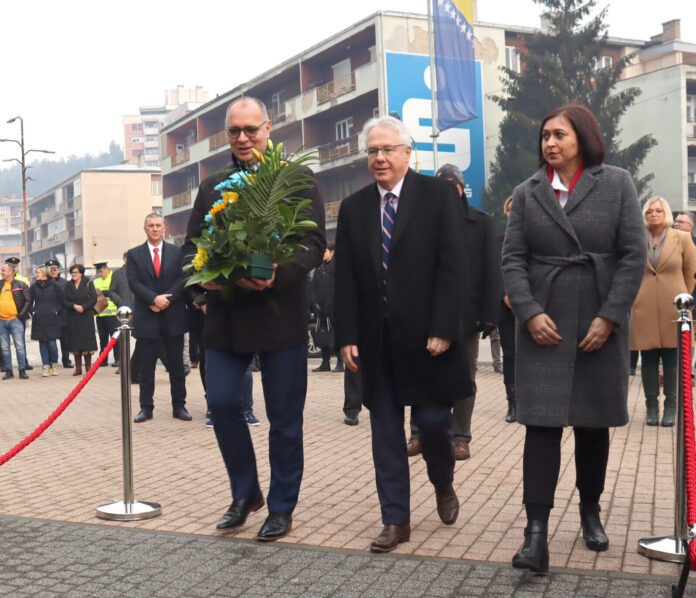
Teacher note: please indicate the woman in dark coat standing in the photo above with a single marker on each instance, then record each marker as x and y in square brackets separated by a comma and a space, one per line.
[47, 300]
[79, 298]
[573, 260]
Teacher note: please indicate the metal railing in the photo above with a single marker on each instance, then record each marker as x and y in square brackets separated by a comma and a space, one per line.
[336, 88]
[181, 199]
[338, 149]
[180, 157]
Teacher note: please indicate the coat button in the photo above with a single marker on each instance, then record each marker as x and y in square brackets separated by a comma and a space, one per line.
[654, 273]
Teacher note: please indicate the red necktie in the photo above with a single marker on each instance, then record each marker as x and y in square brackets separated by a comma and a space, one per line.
[156, 261]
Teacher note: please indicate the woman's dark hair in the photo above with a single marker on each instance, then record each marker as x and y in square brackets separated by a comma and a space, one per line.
[79, 267]
[586, 128]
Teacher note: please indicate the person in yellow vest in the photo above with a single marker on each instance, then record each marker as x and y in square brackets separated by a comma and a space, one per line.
[14, 308]
[107, 322]
[14, 262]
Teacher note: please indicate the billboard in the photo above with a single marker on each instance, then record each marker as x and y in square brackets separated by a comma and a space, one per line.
[408, 95]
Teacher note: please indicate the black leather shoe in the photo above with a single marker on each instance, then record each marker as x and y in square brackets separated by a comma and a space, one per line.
[592, 530]
[351, 419]
[239, 511]
[23, 375]
[142, 416]
[181, 413]
[8, 375]
[28, 367]
[115, 364]
[322, 368]
[534, 555]
[276, 526]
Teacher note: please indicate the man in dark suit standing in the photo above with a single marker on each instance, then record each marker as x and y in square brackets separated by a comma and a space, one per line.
[399, 263]
[268, 317]
[156, 278]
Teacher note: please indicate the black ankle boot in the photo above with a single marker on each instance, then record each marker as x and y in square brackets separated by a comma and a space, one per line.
[534, 554]
[592, 530]
[512, 404]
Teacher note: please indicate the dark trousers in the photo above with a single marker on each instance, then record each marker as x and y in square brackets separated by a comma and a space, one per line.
[64, 353]
[196, 321]
[284, 379]
[389, 449]
[506, 327]
[352, 389]
[106, 326]
[542, 462]
[147, 355]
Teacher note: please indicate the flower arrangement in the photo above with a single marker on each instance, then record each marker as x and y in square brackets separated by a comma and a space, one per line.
[257, 222]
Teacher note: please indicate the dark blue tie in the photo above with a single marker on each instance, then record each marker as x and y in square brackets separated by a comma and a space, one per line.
[388, 219]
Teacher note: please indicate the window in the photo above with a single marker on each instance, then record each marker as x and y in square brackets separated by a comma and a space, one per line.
[344, 128]
[77, 187]
[151, 164]
[341, 69]
[150, 138]
[151, 124]
[37, 234]
[136, 139]
[77, 217]
[156, 186]
[512, 58]
[136, 127]
[603, 62]
[151, 150]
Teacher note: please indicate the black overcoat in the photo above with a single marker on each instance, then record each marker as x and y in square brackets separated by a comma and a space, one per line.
[80, 325]
[47, 302]
[146, 285]
[424, 290]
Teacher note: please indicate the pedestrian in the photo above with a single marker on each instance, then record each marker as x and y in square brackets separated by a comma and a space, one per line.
[106, 320]
[573, 258]
[79, 297]
[669, 272]
[156, 278]
[47, 303]
[15, 303]
[323, 282]
[399, 263]
[14, 262]
[53, 266]
[268, 317]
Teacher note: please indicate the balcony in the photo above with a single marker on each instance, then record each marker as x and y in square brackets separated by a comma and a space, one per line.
[336, 88]
[331, 210]
[180, 157]
[338, 149]
[691, 130]
[181, 199]
[217, 140]
[277, 113]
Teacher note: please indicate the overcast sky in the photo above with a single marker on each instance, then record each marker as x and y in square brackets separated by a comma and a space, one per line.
[73, 68]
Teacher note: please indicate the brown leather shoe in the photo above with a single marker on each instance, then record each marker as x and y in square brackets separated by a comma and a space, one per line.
[390, 538]
[461, 449]
[413, 446]
[447, 505]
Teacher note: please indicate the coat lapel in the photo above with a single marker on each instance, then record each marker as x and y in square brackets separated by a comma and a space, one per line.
[586, 183]
[407, 205]
[373, 223]
[547, 198]
[668, 248]
[148, 261]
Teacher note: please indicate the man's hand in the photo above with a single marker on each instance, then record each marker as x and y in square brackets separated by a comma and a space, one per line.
[203, 308]
[349, 354]
[162, 301]
[257, 284]
[597, 335]
[506, 301]
[437, 346]
[155, 308]
[213, 286]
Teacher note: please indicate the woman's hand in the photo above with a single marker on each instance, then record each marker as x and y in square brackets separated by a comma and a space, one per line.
[597, 335]
[543, 330]
[78, 308]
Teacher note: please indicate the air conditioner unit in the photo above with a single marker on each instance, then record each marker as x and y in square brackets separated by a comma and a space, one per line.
[180, 147]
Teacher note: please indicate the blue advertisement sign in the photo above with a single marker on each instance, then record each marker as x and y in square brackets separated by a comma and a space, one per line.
[408, 95]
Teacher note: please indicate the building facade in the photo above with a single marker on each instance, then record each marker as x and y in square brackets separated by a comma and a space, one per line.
[11, 225]
[319, 101]
[94, 216]
[141, 132]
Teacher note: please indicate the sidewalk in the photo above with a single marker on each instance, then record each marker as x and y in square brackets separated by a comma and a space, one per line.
[76, 466]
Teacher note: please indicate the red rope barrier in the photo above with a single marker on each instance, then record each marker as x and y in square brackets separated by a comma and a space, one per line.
[63, 406]
[689, 443]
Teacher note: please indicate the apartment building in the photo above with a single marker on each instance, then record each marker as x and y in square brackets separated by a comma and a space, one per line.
[93, 216]
[11, 225]
[141, 132]
[320, 100]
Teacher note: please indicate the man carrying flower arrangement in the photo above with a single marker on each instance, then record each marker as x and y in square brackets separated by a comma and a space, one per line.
[260, 209]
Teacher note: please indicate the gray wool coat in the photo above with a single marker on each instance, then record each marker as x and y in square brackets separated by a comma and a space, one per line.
[575, 263]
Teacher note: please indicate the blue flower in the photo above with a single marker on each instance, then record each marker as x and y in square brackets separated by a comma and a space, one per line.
[211, 229]
[208, 218]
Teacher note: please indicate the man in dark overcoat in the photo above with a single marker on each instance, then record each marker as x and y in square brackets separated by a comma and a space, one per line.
[53, 266]
[399, 263]
[268, 317]
[156, 278]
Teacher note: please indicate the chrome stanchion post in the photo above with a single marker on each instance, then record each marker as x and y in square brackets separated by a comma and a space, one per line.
[671, 548]
[128, 509]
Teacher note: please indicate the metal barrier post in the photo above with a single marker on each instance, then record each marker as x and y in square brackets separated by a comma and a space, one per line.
[671, 548]
[127, 509]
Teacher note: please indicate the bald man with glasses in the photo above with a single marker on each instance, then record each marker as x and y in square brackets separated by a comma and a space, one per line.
[685, 222]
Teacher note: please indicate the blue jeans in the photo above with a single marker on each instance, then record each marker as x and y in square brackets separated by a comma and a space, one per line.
[49, 352]
[248, 390]
[284, 379]
[15, 329]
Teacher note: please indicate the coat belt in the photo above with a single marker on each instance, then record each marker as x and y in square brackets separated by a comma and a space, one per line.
[560, 263]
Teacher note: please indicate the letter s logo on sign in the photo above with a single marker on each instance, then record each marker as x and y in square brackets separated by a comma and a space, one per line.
[453, 145]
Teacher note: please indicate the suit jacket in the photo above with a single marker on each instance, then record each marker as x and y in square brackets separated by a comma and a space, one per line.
[574, 263]
[652, 319]
[483, 282]
[424, 297]
[119, 291]
[146, 285]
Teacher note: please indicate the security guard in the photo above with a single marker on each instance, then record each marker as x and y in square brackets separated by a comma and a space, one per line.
[14, 262]
[107, 322]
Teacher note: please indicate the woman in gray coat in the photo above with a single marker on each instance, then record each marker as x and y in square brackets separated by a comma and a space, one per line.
[573, 260]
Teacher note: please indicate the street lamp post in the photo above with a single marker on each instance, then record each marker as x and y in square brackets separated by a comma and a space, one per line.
[22, 163]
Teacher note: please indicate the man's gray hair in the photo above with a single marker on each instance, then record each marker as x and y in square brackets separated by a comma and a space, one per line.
[259, 103]
[689, 215]
[391, 123]
[152, 215]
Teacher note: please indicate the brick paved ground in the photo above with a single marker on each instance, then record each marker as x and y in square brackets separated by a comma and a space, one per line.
[77, 465]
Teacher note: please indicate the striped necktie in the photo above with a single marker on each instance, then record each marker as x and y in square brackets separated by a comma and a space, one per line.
[388, 219]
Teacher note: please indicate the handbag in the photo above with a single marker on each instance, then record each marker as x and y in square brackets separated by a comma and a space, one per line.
[100, 305]
[324, 334]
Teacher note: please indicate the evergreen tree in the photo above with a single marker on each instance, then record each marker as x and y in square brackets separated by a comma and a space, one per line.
[559, 69]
